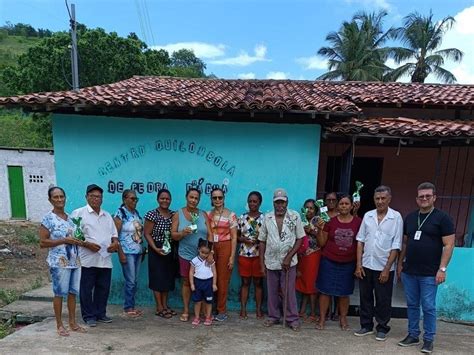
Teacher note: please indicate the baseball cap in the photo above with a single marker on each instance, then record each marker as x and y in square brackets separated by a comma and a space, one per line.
[94, 187]
[280, 195]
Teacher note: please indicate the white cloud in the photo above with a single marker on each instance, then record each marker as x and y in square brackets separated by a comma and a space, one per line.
[461, 36]
[246, 76]
[200, 49]
[314, 62]
[244, 59]
[277, 75]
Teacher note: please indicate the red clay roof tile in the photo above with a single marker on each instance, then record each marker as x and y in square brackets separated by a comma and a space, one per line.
[402, 126]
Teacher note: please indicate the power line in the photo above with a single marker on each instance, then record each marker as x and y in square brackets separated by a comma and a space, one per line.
[142, 28]
[147, 16]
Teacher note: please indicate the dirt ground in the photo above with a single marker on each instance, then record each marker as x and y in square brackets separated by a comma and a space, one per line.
[22, 262]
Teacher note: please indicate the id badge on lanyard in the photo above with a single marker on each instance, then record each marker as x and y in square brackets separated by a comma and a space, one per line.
[417, 235]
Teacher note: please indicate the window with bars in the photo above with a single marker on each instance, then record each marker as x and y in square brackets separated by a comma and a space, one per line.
[36, 178]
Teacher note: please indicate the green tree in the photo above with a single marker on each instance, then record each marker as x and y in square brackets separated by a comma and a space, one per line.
[423, 38]
[185, 64]
[103, 58]
[357, 50]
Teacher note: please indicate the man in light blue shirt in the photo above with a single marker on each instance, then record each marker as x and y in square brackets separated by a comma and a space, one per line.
[378, 242]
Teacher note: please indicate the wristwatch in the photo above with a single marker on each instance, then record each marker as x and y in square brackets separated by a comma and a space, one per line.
[442, 269]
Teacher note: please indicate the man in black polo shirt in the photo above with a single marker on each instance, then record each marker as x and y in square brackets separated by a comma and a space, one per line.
[428, 244]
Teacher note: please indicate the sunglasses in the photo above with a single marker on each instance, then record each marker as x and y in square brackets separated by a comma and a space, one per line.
[217, 197]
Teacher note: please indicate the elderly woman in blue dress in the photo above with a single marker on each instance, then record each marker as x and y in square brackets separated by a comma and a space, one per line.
[130, 227]
[57, 233]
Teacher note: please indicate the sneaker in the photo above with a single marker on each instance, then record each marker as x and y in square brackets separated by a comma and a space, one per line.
[380, 336]
[409, 341]
[221, 317]
[91, 323]
[363, 332]
[105, 319]
[427, 347]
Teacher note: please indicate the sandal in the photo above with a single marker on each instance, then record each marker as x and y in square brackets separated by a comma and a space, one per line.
[63, 332]
[131, 313]
[243, 316]
[311, 319]
[344, 326]
[270, 323]
[184, 317]
[208, 321]
[163, 314]
[171, 311]
[196, 321]
[319, 326]
[294, 327]
[78, 328]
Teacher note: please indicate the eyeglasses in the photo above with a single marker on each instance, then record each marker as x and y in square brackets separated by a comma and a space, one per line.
[217, 197]
[424, 197]
[134, 199]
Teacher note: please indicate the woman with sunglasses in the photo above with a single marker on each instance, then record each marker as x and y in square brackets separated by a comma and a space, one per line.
[162, 267]
[189, 224]
[130, 227]
[224, 235]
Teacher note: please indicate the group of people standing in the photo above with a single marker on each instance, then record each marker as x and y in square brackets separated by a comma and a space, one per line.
[318, 258]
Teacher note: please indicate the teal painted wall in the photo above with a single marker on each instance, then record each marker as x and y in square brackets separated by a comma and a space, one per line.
[114, 152]
[455, 298]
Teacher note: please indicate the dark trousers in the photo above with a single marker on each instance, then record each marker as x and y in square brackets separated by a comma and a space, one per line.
[94, 292]
[368, 286]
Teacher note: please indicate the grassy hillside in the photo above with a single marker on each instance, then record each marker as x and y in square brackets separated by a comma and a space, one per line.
[12, 46]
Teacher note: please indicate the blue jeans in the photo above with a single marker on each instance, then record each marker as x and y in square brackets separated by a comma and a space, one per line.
[421, 290]
[130, 274]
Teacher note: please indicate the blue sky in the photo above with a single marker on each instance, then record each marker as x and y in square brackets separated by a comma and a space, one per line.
[245, 38]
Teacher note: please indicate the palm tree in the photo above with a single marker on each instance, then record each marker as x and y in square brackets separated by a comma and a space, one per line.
[356, 51]
[422, 38]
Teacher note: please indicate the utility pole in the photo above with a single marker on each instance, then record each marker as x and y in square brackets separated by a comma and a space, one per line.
[74, 61]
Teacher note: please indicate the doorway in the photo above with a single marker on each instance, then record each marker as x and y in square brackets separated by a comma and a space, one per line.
[17, 192]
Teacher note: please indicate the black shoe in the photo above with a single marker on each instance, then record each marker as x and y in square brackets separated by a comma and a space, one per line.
[105, 319]
[427, 347]
[363, 332]
[381, 336]
[409, 341]
[91, 322]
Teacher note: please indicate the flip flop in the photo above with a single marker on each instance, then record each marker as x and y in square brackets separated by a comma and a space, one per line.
[319, 326]
[77, 328]
[62, 332]
[294, 327]
[243, 317]
[131, 313]
[311, 319]
[260, 316]
[163, 314]
[184, 317]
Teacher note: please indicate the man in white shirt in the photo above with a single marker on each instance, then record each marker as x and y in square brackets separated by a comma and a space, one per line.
[96, 271]
[280, 236]
[379, 241]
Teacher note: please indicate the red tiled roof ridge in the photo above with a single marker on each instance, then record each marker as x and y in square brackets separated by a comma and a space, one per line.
[337, 97]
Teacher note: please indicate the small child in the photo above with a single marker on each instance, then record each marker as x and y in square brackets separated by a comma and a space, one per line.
[202, 277]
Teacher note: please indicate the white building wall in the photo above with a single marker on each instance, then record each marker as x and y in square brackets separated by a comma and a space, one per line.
[38, 175]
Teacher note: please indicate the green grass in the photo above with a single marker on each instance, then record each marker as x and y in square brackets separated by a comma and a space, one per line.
[6, 328]
[8, 296]
[11, 47]
[29, 238]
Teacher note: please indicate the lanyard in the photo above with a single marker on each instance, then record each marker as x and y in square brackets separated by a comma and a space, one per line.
[420, 225]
